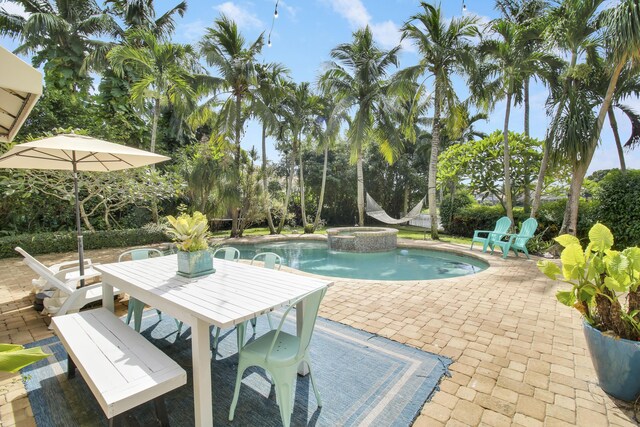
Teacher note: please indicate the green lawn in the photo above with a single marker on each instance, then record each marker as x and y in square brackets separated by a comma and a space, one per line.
[404, 232]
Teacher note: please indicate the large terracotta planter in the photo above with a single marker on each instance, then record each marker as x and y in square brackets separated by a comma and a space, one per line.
[195, 264]
[617, 363]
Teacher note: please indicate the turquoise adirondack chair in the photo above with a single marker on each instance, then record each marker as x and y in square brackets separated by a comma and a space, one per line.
[135, 306]
[280, 354]
[501, 228]
[516, 242]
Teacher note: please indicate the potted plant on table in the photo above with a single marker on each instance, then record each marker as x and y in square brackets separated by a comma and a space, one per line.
[190, 232]
[605, 291]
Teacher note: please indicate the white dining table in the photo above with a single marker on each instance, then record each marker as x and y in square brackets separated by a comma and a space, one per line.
[235, 293]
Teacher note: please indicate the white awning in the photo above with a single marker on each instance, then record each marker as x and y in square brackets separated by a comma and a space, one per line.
[20, 88]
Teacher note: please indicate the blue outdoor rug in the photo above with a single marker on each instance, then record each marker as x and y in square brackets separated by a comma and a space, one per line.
[363, 379]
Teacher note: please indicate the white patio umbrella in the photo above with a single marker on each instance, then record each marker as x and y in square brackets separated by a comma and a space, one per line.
[77, 153]
[20, 88]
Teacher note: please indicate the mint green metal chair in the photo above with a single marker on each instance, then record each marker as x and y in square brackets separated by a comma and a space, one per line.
[515, 242]
[271, 260]
[501, 228]
[229, 253]
[135, 306]
[280, 354]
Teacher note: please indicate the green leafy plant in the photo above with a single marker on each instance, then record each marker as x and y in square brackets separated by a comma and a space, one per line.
[190, 232]
[602, 279]
[14, 357]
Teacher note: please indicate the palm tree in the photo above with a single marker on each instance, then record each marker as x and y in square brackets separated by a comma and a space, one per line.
[270, 91]
[445, 50]
[357, 77]
[510, 64]
[628, 85]
[529, 15]
[301, 109]
[163, 72]
[571, 28]
[622, 38]
[326, 134]
[225, 49]
[60, 34]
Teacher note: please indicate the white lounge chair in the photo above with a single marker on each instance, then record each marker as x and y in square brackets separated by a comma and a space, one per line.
[68, 297]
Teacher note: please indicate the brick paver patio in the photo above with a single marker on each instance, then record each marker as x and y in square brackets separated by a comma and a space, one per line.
[520, 357]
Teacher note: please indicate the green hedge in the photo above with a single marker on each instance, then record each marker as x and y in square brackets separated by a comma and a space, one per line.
[480, 217]
[43, 243]
[619, 206]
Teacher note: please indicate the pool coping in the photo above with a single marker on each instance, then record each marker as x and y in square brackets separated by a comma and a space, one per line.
[493, 261]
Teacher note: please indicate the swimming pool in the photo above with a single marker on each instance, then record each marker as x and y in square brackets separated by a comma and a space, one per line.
[400, 264]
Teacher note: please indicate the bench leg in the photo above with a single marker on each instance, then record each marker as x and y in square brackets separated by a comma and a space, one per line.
[71, 368]
[161, 411]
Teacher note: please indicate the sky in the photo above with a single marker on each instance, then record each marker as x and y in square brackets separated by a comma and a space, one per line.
[306, 30]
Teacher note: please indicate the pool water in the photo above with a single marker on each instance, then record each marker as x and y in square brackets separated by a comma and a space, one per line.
[401, 264]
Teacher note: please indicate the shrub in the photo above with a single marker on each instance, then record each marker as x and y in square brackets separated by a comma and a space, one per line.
[619, 206]
[550, 217]
[479, 217]
[43, 243]
[450, 207]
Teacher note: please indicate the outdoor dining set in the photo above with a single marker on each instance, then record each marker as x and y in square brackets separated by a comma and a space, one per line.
[124, 370]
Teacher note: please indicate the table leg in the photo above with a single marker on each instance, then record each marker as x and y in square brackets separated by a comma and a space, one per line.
[303, 369]
[107, 296]
[201, 373]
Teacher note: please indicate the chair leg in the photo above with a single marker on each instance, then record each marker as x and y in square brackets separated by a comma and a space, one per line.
[161, 411]
[129, 310]
[159, 314]
[236, 391]
[179, 325]
[137, 315]
[269, 320]
[284, 394]
[254, 322]
[216, 337]
[313, 384]
[71, 368]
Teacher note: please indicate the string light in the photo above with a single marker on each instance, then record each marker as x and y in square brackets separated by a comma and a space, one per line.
[464, 6]
[273, 20]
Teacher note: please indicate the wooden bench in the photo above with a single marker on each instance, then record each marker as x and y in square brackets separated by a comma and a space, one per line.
[122, 368]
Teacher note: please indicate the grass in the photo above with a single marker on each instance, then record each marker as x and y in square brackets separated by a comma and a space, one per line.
[404, 232]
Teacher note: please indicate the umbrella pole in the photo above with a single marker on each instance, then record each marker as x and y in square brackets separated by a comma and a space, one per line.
[78, 225]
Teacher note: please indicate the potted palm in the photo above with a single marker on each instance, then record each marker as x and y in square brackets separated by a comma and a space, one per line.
[604, 289]
[190, 232]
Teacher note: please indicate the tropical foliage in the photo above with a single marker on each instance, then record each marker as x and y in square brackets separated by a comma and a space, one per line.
[112, 70]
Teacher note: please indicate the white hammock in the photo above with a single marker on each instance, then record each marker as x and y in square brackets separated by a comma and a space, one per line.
[374, 210]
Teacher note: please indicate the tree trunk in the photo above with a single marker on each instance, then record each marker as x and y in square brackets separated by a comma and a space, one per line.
[616, 136]
[154, 124]
[527, 107]
[155, 216]
[235, 214]
[582, 164]
[546, 148]
[303, 208]
[322, 186]
[544, 164]
[360, 178]
[506, 160]
[285, 207]
[433, 163]
[405, 200]
[265, 181]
